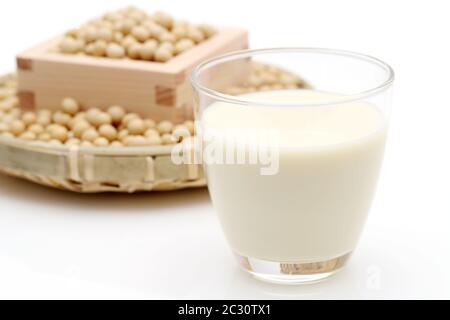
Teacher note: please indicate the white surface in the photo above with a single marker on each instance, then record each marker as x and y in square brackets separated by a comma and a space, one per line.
[55, 244]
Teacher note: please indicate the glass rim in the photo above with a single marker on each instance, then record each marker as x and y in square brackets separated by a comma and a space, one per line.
[240, 54]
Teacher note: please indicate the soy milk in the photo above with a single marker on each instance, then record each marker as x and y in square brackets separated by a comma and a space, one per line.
[314, 208]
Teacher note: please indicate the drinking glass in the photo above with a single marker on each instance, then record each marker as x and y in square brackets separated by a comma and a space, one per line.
[292, 141]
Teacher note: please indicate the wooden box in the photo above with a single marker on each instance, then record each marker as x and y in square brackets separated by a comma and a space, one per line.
[161, 91]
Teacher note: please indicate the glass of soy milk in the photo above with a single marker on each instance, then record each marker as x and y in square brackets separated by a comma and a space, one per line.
[292, 143]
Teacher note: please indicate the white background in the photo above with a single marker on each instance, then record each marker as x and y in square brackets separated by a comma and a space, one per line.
[55, 244]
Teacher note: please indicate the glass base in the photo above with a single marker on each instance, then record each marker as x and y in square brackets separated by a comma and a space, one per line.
[292, 273]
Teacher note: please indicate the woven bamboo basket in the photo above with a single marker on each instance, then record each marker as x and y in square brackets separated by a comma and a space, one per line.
[92, 170]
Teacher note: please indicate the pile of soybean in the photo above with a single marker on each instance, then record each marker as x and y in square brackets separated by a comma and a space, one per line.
[135, 34]
[71, 125]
